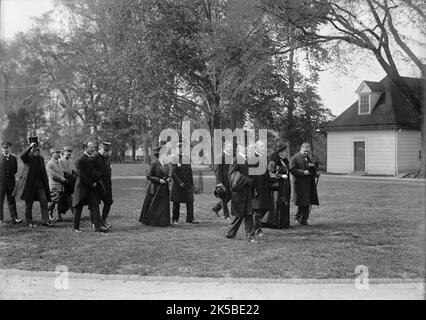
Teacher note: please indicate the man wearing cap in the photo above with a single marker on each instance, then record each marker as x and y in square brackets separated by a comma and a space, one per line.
[68, 167]
[34, 185]
[56, 181]
[8, 169]
[85, 189]
[103, 175]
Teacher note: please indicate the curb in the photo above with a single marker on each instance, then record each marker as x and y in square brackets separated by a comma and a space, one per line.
[121, 277]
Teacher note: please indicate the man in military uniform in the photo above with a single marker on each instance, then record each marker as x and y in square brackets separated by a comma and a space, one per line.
[8, 169]
[103, 175]
[183, 187]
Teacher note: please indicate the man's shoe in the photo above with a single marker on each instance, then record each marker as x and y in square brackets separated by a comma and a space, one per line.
[48, 224]
[31, 225]
[16, 221]
[305, 223]
[216, 212]
[76, 230]
[260, 235]
[253, 240]
[174, 222]
[193, 222]
[229, 236]
[101, 229]
[227, 218]
[106, 225]
[297, 223]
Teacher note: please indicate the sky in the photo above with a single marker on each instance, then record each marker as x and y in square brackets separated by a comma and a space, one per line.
[336, 88]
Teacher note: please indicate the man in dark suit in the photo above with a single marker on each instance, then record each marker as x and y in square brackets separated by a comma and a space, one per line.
[8, 169]
[103, 175]
[85, 189]
[305, 191]
[34, 185]
[182, 188]
[221, 172]
[242, 194]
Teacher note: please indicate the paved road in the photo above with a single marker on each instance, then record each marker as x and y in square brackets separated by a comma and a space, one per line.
[17, 284]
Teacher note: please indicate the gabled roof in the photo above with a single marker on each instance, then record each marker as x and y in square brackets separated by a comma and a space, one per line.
[392, 110]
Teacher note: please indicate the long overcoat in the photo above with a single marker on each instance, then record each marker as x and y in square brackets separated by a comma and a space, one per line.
[179, 173]
[24, 189]
[241, 201]
[7, 181]
[85, 169]
[305, 190]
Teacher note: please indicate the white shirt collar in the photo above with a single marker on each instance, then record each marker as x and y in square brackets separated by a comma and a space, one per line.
[7, 156]
[87, 154]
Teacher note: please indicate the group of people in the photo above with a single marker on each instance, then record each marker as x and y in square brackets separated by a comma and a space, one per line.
[59, 184]
[260, 200]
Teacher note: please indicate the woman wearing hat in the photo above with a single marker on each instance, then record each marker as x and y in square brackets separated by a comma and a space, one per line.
[279, 171]
[156, 206]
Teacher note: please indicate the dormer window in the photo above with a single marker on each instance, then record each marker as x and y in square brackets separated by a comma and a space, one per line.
[364, 104]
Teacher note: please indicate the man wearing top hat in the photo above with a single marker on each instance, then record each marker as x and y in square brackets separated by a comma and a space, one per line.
[8, 169]
[85, 192]
[33, 184]
[56, 181]
[183, 187]
[103, 175]
[70, 173]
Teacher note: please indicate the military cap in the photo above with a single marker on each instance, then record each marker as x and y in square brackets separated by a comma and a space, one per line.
[54, 150]
[6, 144]
[108, 144]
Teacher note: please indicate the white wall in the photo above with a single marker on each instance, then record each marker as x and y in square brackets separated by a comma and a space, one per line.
[379, 151]
[409, 144]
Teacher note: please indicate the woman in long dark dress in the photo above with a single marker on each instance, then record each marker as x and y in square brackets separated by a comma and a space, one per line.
[279, 172]
[156, 206]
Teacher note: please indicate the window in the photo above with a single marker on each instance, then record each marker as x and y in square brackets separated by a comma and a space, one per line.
[364, 104]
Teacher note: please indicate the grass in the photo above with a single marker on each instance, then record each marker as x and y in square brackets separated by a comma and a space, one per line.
[376, 223]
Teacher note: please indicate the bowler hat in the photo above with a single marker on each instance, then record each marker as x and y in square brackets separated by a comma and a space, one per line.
[6, 144]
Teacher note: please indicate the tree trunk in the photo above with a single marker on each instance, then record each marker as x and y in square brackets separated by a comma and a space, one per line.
[290, 107]
[133, 150]
[422, 173]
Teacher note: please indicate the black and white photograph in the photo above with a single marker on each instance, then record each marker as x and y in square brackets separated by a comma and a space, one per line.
[225, 151]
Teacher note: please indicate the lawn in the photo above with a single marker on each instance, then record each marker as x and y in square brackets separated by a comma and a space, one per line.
[376, 223]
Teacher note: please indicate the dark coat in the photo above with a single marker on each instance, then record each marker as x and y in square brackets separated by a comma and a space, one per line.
[262, 198]
[221, 172]
[86, 170]
[7, 181]
[25, 188]
[241, 196]
[102, 174]
[182, 173]
[276, 167]
[305, 191]
[156, 172]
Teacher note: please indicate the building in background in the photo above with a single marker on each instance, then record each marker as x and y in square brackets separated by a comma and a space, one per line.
[378, 134]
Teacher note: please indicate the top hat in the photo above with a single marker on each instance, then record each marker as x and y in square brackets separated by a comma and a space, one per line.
[156, 150]
[280, 146]
[220, 192]
[33, 139]
[6, 144]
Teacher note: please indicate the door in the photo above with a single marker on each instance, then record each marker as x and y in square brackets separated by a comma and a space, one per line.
[359, 156]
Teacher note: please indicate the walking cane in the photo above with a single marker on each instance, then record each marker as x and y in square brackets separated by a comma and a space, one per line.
[152, 202]
[316, 184]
